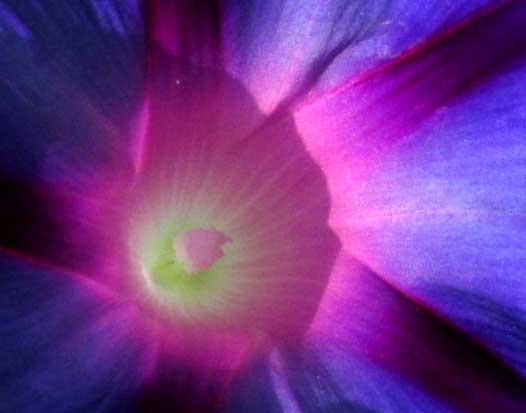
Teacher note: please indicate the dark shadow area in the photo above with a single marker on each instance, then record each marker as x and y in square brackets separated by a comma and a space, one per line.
[28, 224]
[496, 323]
[42, 222]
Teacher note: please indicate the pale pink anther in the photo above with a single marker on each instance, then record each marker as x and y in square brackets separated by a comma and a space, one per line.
[199, 248]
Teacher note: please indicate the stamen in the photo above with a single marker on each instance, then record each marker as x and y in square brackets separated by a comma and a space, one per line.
[199, 248]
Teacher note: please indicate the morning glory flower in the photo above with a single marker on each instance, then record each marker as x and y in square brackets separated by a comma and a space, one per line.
[273, 206]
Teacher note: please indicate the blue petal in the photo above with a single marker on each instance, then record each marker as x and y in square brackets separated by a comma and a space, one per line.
[443, 217]
[70, 82]
[66, 346]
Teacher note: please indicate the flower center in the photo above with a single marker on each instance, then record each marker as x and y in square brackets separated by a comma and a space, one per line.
[228, 221]
[184, 267]
[199, 248]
